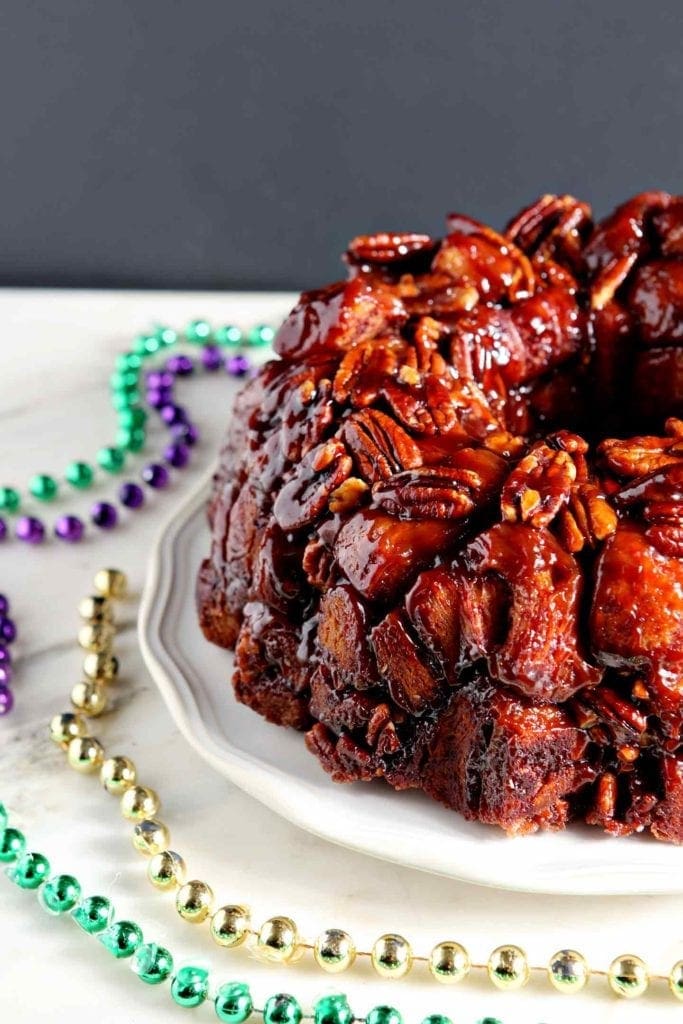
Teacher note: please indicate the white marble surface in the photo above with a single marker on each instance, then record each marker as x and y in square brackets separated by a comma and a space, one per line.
[56, 353]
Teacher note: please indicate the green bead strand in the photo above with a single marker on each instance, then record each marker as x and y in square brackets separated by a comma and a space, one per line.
[29, 871]
[190, 987]
[128, 361]
[121, 938]
[93, 914]
[12, 845]
[126, 381]
[384, 1015]
[111, 459]
[131, 439]
[43, 487]
[152, 963]
[60, 894]
[132, 416]
[9, 499]
[261, 335]
[80, 475]
[228, 335]
[167, 336]
[282, 1009]
[333, 1009]
[233, 1003]
[146, 345]
[125, 399]
[198, 331]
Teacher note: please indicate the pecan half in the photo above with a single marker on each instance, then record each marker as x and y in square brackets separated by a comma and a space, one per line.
[379, 445]
[305, 496]
[639, 456]
[442, 492]
[539, 485]
[386, 247]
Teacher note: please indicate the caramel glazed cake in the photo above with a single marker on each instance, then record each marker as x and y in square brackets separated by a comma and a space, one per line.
[447, 526]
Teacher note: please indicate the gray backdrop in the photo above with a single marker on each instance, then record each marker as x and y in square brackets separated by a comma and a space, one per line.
[205, 143]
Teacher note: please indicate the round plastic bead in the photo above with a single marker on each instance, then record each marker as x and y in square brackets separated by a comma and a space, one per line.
[133, 416]
[100, 667]
[628, 976]
[166, 870]
[111, 583]
[233, 1003]
[126, 380]
[230, 926]
[111, 459]
[117, 774]
[282, 1009]
[29, 871]
[177, 455]
[6, 699]
[228, 335]
[211, 358]
[449, 962]
[190, 987]
[124, 399]
[568, 971]
[128, 361]
[131, 439]
[139, 802]
[30, 529]
[70, 529]
[198, 331]
[60, 894]
[80, 475]
[131, 495]
[8, 629]
[67, 727]
[150, 837]
[261, 335]
[155, 476]
[437, 1018]
[166, 335]
[383, 1015]
[121, 938]
[194, 901]
[9, 499]
[676, 979]
[332, 1009]
[152, 963]
[104, 515]
[12, 844]
[93, 914]
[85, 754]
[43, 487]
[237, 366]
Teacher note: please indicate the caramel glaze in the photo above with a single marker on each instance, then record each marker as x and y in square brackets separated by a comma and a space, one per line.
[447, 526]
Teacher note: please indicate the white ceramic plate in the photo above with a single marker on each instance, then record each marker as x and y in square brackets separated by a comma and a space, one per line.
[273, 765]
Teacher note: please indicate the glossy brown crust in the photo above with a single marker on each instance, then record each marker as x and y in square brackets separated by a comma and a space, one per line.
[447, 525]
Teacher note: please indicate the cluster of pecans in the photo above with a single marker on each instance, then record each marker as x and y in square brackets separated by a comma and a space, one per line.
[447, 522]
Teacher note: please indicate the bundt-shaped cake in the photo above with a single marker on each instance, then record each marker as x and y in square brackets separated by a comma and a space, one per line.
[447, 524]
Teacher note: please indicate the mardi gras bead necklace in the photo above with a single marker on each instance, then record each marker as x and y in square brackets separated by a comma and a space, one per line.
[190, 985]
[132, 413]
[278, 939]
[222, 348]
